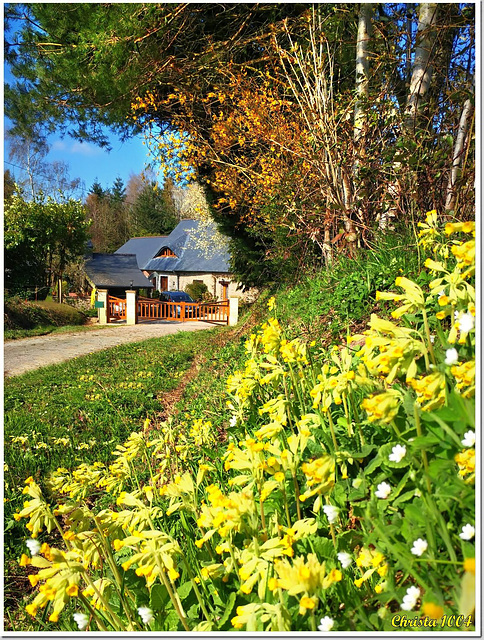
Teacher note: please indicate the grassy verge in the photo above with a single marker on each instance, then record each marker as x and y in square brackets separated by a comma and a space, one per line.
[80, 410]
[17, 334]
[21, 314]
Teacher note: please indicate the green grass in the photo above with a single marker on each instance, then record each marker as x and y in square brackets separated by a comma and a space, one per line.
[80, 410]
[17, 334]
[21, 314]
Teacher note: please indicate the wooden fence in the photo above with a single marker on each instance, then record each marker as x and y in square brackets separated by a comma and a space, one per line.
[149, 309]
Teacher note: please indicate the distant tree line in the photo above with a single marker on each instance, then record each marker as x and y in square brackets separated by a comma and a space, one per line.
[141, 208]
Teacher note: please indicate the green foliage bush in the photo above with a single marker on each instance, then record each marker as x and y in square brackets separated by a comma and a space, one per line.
[197, 290]
[21, 314]
[345, 292]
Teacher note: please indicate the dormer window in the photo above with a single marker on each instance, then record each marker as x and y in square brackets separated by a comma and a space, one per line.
[166, 252]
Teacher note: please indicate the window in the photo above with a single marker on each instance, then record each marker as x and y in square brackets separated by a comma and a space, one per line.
[166, 252]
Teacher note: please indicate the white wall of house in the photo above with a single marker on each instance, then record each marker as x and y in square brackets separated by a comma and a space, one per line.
[214, 283]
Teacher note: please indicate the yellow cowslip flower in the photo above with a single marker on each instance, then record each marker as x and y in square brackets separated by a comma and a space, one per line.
[303, 576]
[382, 407]
[271, 303]
[293, 351]
[33, 579]
[465, 375]
[432, 610]
[455, 227]
[470, 565]
[270, 335]
[333, 576]
[306, 603]
[466, 460]
[373, 559]
[413, 297]
[25, 560]
[430, 390]
[72, 590]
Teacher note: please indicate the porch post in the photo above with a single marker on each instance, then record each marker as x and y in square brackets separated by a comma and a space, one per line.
[102, 313]
[233, 311]
[131, 307]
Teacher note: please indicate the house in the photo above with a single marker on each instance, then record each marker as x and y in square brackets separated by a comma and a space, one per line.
[190, 253]
[116, 272]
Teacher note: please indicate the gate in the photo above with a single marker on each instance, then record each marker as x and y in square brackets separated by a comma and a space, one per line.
[213, 312]
[116, 309]
[149, 309]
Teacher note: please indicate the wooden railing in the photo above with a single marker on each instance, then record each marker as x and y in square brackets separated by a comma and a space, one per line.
[216, 312]
[116, 308]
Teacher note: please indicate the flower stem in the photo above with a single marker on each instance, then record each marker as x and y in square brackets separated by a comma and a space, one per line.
[427, 333]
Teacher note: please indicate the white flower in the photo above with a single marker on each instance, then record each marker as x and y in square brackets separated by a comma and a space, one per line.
[383, 490]
[419, 546]
[81, 619]
[432, 339]
[417, 493]
[345, 559]
[466, 323]
[146, 614]
[451, 357]
[331, 512]
[468, 532]
[398, 452]
[469, 439]
[33, 545]
[410, 598]
[233, 421]
[327, 624]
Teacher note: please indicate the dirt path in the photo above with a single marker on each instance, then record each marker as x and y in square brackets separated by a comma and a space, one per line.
[20, 356]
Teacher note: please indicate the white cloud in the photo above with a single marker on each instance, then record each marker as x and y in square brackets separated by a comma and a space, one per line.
[59, 145]
[85, 149]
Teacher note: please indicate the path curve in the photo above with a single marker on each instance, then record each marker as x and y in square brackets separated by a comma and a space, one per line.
[27, 354]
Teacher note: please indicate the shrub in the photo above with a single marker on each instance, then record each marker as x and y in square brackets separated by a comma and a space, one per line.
[197, 290]
[20, 314]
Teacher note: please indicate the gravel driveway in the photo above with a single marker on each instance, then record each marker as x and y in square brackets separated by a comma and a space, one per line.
[32, 353]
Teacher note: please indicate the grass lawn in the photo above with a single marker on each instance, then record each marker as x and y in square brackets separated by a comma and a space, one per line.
[17, 334]
[79, 410]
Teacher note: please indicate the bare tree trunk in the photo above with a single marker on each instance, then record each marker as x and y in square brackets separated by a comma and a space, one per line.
[419, 86]
[422, 68]
[362, 83]
[362, 70]
[457, 155]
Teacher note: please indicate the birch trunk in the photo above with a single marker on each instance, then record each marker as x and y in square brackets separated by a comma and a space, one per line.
[422, 68]
[362, 83]
[419, 86]
[457, 155]
[362, 69]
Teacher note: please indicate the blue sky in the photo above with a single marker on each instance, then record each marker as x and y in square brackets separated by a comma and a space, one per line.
[89, 162]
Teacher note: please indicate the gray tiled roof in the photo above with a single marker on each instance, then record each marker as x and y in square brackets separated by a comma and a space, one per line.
[107, 270]
[189, 258]
[144, 248]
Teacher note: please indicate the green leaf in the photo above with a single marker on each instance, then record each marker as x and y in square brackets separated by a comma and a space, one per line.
[228, 609]
[374, 464]
[171, 621]
[416, 513]
[408, 495]
[159, 597]
[184, 590]
[192, 613]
